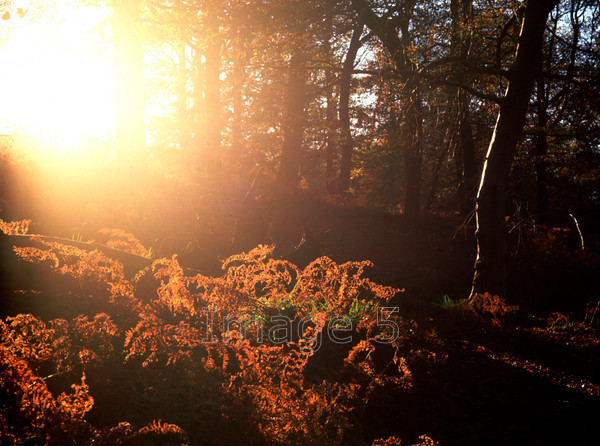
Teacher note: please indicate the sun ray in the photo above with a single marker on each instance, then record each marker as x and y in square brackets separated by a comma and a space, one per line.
[57, 77]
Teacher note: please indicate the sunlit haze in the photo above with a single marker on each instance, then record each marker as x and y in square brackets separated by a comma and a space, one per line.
[57, 77]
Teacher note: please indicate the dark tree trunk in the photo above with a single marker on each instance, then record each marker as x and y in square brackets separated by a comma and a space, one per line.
[344, 111]
[491, 264]
[462, 12]
[129, 82]
[541, 151]
[330, 135]
[330, 112]
[293, 125]
[413, 118]
[413, 157]
[468, 181]
[438, 170]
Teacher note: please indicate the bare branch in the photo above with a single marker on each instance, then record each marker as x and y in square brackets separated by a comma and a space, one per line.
[470, 64]
[432, 80]
[468, 89]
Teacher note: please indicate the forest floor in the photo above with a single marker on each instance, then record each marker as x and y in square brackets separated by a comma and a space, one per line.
[516, 383]
[532, 377]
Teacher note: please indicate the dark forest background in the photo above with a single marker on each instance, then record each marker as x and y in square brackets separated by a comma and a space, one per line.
[264, 153]
[391, 106]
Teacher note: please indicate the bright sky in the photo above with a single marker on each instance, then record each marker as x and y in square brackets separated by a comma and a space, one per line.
[57, 75]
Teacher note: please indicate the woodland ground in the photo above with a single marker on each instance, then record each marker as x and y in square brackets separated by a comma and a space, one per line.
[531, 377]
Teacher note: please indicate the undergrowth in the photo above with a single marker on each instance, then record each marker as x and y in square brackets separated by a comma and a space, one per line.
[266, 353]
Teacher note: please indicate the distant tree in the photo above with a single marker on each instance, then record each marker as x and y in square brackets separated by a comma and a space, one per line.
[212, 51]
[344, 108]
[129, 80]
[395, 32]
[293, 123]
[461, 41]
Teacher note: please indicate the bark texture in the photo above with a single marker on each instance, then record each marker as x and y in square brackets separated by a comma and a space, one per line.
[491, 263]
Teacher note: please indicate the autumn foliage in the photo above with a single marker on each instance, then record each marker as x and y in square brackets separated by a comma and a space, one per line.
[250, 352]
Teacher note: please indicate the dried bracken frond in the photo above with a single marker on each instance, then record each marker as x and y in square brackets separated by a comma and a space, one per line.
[124, 241]
[338, 287]
[286, 409]
[155, 434]
[390, 441]
[27, 337]
[20, 227]
[395, 441]
[426, 441]
[256, 274]
[92, 265]
[30, 411]
[491, 306]
[74, 262]
[59, 345]
[173, 291]
[77, 404]
[35, 255]
[212, 340]
[159, 434]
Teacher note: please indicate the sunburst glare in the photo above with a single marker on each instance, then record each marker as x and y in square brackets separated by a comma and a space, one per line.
[57, 77]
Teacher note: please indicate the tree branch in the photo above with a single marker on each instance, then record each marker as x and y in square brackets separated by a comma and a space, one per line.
[503, 34]
[382, 29]
[470, 64]
[479, 94]
[432, 80]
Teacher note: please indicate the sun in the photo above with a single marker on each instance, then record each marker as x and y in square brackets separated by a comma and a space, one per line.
[57, 77]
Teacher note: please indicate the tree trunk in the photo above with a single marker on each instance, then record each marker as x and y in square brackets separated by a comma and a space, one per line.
[541, 151]
[344, 111]
[198, 105]
[293, 125]
[238, 112]
[462, 13]
[212, 92]
[182, 97]
[491, 264]
[239, 58]
[330, 112]
[397, 47]
[468, 181]
[330, 124]
[129, 82]
[413, 156]
[438, 169]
